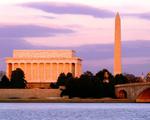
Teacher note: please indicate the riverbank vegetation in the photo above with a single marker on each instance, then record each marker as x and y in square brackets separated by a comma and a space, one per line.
[17, 80]
[88, 85]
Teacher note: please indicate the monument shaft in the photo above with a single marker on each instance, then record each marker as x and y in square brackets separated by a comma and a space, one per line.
[117, 47]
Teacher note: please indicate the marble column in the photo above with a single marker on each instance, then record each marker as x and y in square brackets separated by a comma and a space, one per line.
[31, 72]
[38, 72]
[7, 68]
[25, 70]
[51, 71]
[12, 66]
[70, 66]
[57, 68]
[44, 71]
[76, 69]
[63, 67]
[80, 67]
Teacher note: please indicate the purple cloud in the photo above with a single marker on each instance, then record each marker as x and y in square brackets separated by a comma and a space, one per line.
[20, 31]
[8, 45]
[66, 8]
[145, 16]
[47, 17]
[104, 52]
[95, 57]
[139, 15]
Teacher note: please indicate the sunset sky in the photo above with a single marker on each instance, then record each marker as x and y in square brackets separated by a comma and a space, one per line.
[86, 26]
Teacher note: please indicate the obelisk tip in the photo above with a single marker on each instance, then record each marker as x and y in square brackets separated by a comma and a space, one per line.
[117, 14]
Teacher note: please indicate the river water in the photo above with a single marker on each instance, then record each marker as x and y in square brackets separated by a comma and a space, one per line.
[74, 111]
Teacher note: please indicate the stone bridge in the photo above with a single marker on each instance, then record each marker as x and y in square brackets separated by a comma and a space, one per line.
[139, 92]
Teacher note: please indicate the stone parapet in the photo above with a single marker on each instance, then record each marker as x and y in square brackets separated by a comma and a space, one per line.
[28, 93]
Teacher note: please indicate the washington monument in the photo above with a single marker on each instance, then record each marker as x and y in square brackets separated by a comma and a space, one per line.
[117, 47]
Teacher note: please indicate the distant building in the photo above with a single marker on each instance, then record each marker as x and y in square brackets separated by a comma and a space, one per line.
[44, 66]
[148, 77]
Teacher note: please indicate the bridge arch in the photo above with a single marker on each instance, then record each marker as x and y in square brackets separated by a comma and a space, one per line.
[134, 91]
[122, 94]
[145, 94]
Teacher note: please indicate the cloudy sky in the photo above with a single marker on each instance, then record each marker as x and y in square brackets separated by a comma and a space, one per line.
[86, 26]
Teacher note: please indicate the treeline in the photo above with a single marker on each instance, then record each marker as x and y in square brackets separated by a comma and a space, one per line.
[88, 85]
[17, 80]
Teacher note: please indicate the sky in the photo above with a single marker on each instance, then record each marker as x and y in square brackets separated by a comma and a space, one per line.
[86, 26]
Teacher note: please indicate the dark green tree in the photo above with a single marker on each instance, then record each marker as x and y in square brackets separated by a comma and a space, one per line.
[61, 79]
[4, 83]
[67, 81]
[120, 79]
[54, 85]
[88, 85]
[18, 79]
[79, 87]
[131, 78]
[105, 81]
[69, 76]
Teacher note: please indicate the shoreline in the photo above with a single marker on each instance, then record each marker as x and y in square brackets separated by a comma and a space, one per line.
[62, 100]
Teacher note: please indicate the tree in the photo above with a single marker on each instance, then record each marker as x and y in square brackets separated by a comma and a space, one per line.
[4, 83]
[105, 81]
[69, 86]
[85, 85]
[61, 79]
[69, 76]
[132, 78]
[99, 76]
[17, 79]
[54, 85]
[88, 85]
[120, 79]
[103, 75]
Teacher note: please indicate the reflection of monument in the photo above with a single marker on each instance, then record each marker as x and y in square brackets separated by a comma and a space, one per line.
[44, 66]
[117, 47]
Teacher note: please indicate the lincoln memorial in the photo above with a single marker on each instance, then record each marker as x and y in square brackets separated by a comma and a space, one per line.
[44, 66]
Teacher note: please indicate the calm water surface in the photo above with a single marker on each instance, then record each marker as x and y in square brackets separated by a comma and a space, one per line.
[74, 111]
